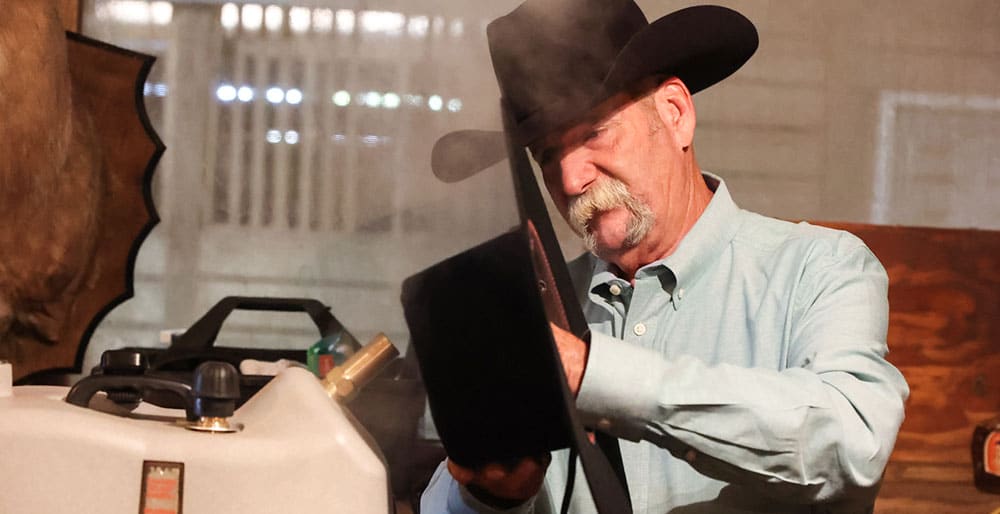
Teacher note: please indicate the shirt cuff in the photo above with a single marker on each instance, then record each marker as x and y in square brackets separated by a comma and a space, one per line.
[621, 386]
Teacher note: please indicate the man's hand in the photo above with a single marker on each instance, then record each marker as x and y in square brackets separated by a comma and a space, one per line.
[505, 485]
[573, 353]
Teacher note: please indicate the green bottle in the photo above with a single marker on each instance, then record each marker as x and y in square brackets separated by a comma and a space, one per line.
[327, 353]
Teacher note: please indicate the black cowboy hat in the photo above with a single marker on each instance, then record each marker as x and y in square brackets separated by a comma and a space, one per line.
[555, 60]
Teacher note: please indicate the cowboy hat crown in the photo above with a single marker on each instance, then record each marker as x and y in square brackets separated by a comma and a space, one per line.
[557, 59]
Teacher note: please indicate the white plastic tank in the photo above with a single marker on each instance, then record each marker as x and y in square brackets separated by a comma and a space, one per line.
[297, 451]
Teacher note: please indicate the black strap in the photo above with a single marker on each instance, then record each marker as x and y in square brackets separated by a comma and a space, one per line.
[601, 462]
[612, 450]
[570, 481]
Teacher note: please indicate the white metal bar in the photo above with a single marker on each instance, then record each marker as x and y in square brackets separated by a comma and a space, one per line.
[330, 214]
[210, 173]
[236, 143]
[348, 172]
[280, 172]
[310, 133]
[399, 163]
[883, 158]
[256, 136]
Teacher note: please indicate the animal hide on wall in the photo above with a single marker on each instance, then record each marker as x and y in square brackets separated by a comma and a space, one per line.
[76, 161]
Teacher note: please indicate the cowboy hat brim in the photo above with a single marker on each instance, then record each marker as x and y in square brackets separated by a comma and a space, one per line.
[700, 45]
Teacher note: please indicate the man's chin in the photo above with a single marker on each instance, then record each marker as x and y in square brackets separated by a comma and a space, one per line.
[606, 248]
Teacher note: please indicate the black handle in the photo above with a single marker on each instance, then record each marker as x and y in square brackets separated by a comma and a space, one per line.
[198, 341]
[81, 392]
[201, 336]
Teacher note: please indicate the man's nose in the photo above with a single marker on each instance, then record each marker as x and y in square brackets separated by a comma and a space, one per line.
[577, 171]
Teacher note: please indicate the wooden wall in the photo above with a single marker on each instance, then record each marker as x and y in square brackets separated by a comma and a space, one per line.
[944, 335]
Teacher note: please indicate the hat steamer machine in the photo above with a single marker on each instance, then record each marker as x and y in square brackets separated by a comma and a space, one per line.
[96, 448]
[181, 430]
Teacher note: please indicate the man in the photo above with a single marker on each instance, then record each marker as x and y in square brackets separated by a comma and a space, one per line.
[756, 344]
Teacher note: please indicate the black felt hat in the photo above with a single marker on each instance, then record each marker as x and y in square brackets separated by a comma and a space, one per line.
[555, 60]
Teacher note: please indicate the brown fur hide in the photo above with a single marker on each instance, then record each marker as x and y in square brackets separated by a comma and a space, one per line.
[76, 160]
[51, 180]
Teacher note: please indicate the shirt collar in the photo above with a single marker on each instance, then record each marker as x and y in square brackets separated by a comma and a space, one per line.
[699, 249]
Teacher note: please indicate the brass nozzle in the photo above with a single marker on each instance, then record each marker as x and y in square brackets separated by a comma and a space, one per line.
[343, 382]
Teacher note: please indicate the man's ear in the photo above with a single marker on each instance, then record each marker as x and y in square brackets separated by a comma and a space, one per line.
[676, 110]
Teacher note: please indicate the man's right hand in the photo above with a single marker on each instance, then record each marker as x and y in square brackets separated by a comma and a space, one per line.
[505, 485]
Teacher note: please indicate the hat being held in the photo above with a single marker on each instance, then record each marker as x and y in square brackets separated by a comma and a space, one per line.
[555, 60]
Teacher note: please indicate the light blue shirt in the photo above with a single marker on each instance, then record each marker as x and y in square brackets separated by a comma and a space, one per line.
[755, 352]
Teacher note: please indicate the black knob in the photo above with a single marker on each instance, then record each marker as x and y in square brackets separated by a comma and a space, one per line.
[123, 362]
[216, 389]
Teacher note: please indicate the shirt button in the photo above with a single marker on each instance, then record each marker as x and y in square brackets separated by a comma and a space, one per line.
[615, 289]
[639, 329]
[680, 294]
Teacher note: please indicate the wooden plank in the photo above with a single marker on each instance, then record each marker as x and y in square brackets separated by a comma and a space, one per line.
[918, 497]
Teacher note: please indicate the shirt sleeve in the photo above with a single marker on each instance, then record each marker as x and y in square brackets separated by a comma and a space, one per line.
[817, 430]
[443, 495]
